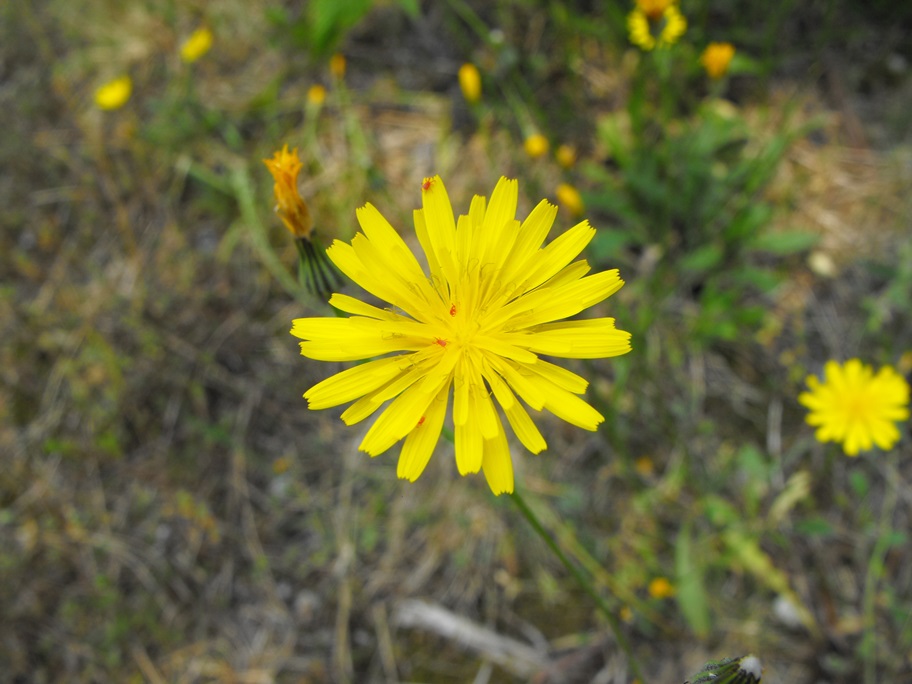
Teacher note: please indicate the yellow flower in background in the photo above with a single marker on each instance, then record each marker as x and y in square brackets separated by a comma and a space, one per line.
[661, 32]
[569, 197]
[470, 82]
[566, 155]
[337, 65]
[471, 330]
[536, 145]
[196, 45]
[716, 59]
[855, 407]
[316, 95]
[114, 94]
[661, 588]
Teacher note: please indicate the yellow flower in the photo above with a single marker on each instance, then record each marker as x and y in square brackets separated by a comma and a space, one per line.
[566, 155]
[661, 588]
[316, 95]
[536, 145]
[661, 32]
[569, 197]
[716, 58]
[337, 65]
[314, 265]
[114, 94]
[470, 82]
[471, 329]
[196, 45]
[290, 206]
[856, 407]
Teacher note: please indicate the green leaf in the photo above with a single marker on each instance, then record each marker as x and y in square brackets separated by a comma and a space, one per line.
[691, 592]
[410, 7]
[786, 242]
[702, 259]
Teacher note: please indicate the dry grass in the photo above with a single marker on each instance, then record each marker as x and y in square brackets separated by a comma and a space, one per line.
[171, 512]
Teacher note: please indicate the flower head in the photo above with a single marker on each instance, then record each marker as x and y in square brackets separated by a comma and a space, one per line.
[855, 407]
[196, 45]
[566, 155]
[716, 58]
[470, 331]
[536, 145]
[470, 82]
[653, 30]
[569, 197]
[653, 9]
[290, 206]
[661, 588]
[114, 94]
[316, 95]
[337, 65]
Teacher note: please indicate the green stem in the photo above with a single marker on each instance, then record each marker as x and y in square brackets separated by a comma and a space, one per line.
[875, 572]
[580, 579]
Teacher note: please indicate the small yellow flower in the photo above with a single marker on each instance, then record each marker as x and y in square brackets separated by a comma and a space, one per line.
[337, 66]
[855, 407]
[470, 82]
[314, 265]
[566, 155]
[716, 58]
[536, 145]
[644, 466]
[472, 331]
[569, 197]
[290, 206]
[196, 45]
[114, 94]
[664, 31]
[316, 95]
[661, 588]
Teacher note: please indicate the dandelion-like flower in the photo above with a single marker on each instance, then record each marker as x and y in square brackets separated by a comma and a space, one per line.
[536, 145]
[292, 209]
[197, 45]
[716, 59]
[652, 29]
[569, 197]
[114, 94]
[494, 300]
[337, 65]
[855, 407]
[470, 82]
[316, 95]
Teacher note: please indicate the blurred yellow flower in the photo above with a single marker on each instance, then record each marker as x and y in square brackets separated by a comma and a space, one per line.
[716, 58]
[114, 94]
[473, 328]
[663, 31]
[536, 145]
[661, 588]
[470, 82]
[316, 94]
[566, 155]
[569, 197]
[196, 45]
[337, 65]
[855, 407]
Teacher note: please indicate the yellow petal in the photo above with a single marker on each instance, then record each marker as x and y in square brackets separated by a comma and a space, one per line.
[420, 443]
[497, 464]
